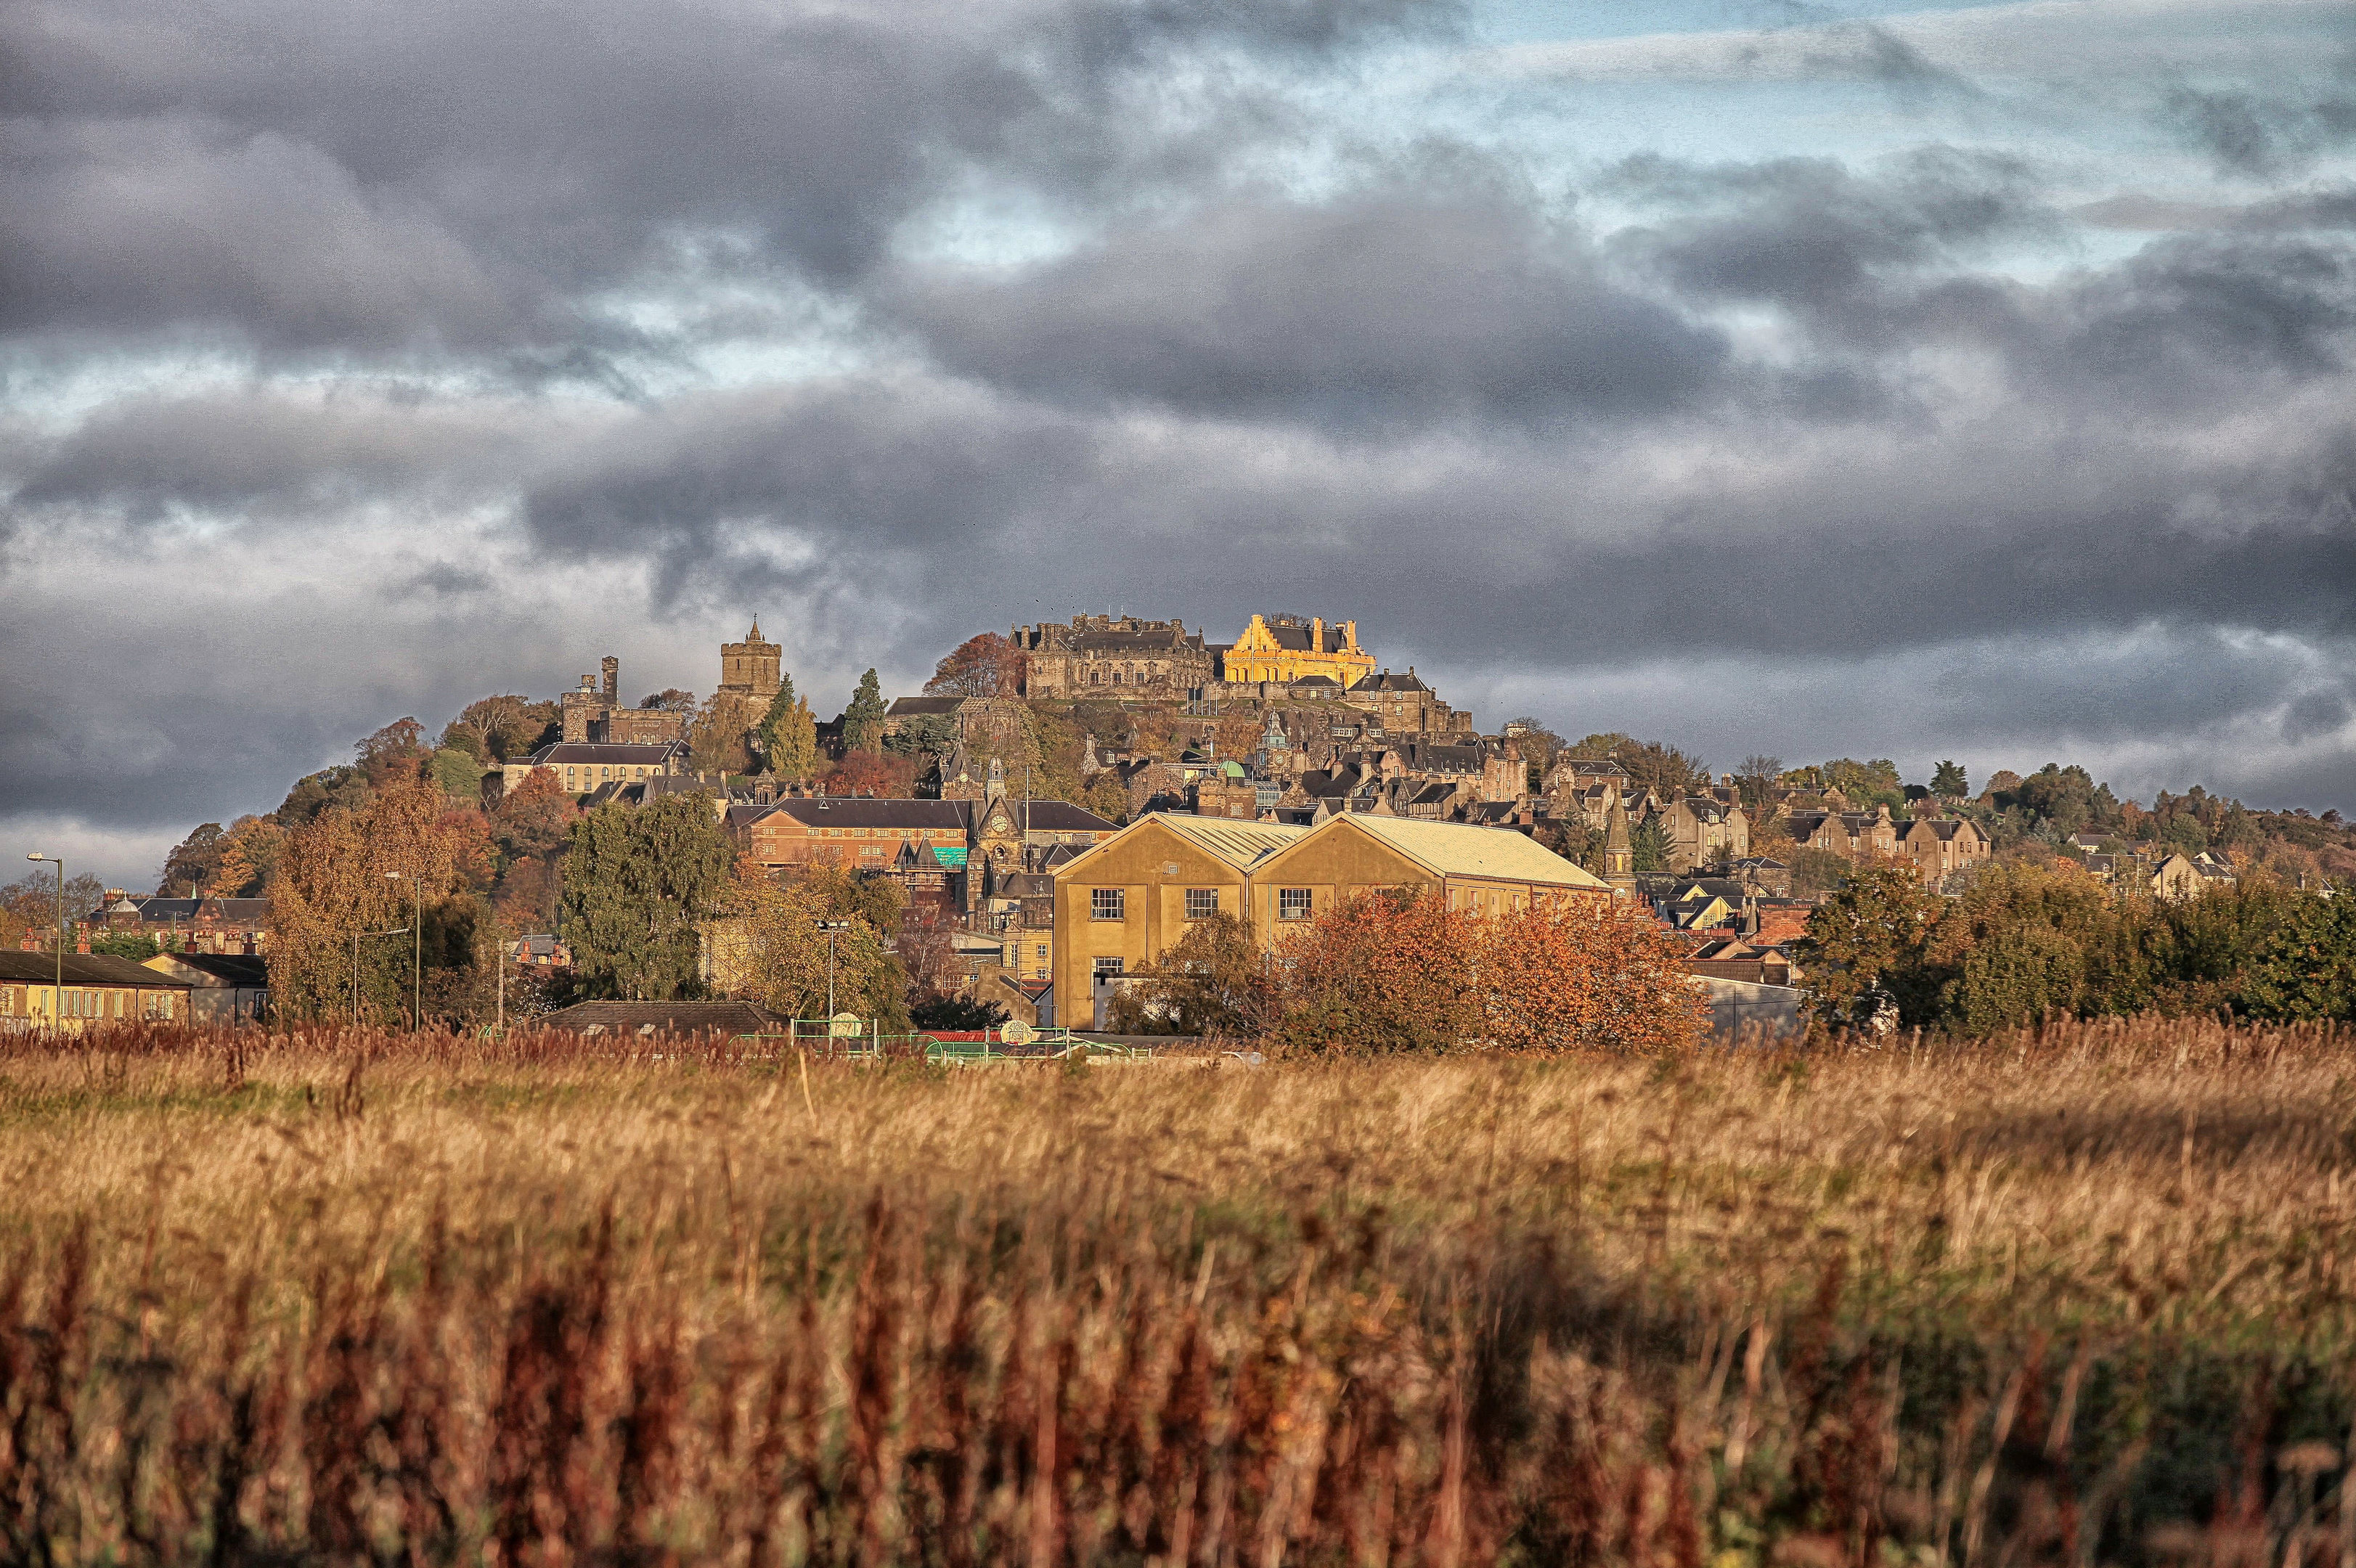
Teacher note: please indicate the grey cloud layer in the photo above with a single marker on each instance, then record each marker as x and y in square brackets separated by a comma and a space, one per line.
[1793, 410]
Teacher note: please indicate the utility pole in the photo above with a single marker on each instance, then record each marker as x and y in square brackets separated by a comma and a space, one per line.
[57, 995]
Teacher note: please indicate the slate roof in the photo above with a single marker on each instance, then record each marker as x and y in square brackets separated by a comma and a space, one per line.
[218, 968]
[874, 811]
[665, 1018]
[921, 707]
[563, 753]
[82, 969]
[235, 912]
[1387, 681]
[1242, 844]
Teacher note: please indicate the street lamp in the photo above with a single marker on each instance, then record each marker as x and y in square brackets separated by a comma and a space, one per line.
[57, 995]
[830, 927]
[396, 930]
[416, 950]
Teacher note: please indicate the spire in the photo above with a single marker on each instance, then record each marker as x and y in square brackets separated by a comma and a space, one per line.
[754, 634]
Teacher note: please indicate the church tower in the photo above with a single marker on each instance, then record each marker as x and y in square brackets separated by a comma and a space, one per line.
[751, 669]
[1619, 847]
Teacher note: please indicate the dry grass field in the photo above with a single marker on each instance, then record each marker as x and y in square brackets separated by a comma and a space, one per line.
[2081, 1296]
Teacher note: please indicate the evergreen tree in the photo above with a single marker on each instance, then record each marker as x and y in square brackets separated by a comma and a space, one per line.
[1651, 844]
[1947, 780]
[773, 723]
[637, 885]
[862, 721]
[790, 743]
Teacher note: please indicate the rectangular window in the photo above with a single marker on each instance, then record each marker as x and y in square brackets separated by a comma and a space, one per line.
[1042, 950]
[1201, 903]
[1108, 903]
[1107, 967]
[1293, 903]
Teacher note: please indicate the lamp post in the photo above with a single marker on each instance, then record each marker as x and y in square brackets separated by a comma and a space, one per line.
[416, 949]
[830, 927]
[58, 994]
[395, 931]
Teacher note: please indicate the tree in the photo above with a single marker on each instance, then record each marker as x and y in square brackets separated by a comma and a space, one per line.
[1584, 974]
[1948, 781]
[1871, 932]
[249, 855]
[344, 785]
[395, 751]
[2307, 969]
[984, 666]
[789, 741]
[1539, 744]
[2064, 797]
[720, 739]
[671, 700]
[872, 773]
[30, 904]
[1757, 778]
[459, 772]
[332, 882]
[1651, 844]
[923, 735]
[1653, 765]
[1212, 980]
[494, 728]
[535, 819]
[769, 945]
[638, 884]
[192, 863]
[1380, 973]
[1867, 784]
[862, 721]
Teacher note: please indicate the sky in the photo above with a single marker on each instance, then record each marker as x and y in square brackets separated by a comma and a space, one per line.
[1877, 380]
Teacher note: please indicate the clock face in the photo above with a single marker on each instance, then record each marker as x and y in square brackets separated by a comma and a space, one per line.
[1000, 825]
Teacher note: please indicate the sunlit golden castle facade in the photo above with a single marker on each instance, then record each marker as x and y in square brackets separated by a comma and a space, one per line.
[1286, 649]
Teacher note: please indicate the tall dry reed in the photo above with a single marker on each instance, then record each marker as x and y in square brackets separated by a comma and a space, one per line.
[2070, 1296]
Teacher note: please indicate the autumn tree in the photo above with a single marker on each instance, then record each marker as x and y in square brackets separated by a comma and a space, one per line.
[1653, 765]
[862, 721]
[671, 700]
[769, 944]
[1213, 980]
[395, 751]
[249, 855]
[1872, 933]
[872, 773]
[636, 886]
[1757, 779]
[720, 739]
[1379, 974]
[984, 666]
[494, 728]
[193, 863]
[1540, 744]
[332, 881]
[1584, 974]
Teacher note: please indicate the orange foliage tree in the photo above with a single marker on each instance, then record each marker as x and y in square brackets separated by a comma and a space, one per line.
[333, 881]
[1400, 971]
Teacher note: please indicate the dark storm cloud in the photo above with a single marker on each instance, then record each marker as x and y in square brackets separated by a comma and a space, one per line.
[2262, 134]
[459, 173]
[1414, 303]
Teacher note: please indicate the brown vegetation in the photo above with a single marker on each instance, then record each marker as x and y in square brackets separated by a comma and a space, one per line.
[2074, 1296]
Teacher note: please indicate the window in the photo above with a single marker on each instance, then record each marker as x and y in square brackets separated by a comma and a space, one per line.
[1293, 903]
[1041, 950]
[1107, 967]
[1108, 903]
[1201, 903]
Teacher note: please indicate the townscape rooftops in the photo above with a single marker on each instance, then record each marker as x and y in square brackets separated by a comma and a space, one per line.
[1387, 681]
[865, 811]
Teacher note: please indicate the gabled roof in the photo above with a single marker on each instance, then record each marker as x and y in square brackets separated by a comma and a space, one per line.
[1462, 849]
[236, 912]
[1241, 845]
[82, 969]
[214, 968]
[918, 706]
[562, 753]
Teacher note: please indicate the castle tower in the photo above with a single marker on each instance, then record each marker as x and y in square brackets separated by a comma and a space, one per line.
[752, 668]
[613, 682]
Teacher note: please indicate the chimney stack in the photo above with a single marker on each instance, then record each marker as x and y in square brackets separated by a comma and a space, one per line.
[613, 669]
